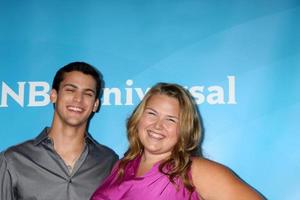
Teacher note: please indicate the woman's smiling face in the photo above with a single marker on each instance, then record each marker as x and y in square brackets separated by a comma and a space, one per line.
[158, 128]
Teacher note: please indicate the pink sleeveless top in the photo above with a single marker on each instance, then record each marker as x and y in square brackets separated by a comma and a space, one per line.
[150, 186]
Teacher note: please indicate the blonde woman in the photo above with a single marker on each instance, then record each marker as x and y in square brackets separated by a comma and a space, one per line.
[164, 132]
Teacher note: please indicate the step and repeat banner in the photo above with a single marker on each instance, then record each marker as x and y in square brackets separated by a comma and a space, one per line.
[239, 59]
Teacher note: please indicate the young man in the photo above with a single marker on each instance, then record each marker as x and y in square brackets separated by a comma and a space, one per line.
[64, 162]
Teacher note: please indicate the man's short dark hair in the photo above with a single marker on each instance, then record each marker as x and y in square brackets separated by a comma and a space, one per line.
[80, 67]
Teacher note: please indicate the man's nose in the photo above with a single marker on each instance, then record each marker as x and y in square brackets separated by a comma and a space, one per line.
[77, 97]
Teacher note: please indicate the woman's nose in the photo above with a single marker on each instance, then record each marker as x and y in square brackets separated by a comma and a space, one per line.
[158, 124]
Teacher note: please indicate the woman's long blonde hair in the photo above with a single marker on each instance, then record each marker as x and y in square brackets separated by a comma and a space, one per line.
[179, 163]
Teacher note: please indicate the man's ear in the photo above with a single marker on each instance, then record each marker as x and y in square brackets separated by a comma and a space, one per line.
[53, 96]
[96, 105]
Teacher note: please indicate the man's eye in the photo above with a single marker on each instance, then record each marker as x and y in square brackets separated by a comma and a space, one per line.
[69, 90]
[89, 94]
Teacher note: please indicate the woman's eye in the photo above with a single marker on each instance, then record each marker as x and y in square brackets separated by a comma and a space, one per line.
[172, 120]
[151, 113]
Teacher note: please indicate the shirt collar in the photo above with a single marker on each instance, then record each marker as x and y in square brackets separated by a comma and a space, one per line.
[90, 139]
[44, 136]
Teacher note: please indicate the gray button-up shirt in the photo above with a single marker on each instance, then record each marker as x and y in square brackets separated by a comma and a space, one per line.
[34, 171]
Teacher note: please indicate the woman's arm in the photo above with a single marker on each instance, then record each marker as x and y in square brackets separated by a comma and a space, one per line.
[214, 181]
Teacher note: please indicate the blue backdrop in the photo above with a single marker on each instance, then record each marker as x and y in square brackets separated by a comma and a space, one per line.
[240, 59]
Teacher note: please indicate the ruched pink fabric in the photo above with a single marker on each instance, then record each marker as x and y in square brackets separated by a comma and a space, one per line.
[151, 186]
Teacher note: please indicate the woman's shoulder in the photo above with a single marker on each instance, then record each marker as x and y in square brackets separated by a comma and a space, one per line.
[208, 173]
[204, 166]
[213, 180]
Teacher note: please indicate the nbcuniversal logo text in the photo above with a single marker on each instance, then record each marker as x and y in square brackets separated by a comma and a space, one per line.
[36, 93]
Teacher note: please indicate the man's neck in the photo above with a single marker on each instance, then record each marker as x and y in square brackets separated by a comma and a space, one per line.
[67, 134]
[68, 141]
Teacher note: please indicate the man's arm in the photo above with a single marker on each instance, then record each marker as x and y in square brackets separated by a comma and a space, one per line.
[6, 188]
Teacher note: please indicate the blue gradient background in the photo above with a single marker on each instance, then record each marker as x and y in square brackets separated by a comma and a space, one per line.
[190, 42]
